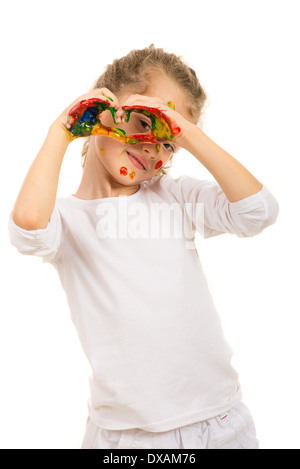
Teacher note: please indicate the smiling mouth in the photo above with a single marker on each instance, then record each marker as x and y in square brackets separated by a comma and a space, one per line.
[135, 161]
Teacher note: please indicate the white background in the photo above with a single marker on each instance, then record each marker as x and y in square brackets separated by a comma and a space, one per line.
[246, 55]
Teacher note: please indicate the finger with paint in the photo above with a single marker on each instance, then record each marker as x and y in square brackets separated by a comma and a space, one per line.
[83, 120]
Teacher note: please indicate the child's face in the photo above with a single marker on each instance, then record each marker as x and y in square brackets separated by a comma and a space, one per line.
[120, 160]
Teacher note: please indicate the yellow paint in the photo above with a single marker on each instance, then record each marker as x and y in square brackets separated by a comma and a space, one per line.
[171, 105]
[132, 174]
[69, 135]
[102, 151]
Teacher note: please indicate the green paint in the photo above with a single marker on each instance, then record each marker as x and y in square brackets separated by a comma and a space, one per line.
[107, 97]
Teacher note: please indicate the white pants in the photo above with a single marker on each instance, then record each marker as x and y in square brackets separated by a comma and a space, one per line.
[232, 430]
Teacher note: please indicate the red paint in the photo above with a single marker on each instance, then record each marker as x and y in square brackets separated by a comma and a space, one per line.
[123, 170]
[158, 164]
[132, 174]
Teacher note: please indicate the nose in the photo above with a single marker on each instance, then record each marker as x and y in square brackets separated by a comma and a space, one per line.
[151, 150]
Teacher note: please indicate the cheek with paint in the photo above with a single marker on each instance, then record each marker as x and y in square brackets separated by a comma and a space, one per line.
[124, 172]
[123, 169]
[158, 164]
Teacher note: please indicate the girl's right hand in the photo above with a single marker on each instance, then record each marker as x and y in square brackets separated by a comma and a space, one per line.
[101, 94]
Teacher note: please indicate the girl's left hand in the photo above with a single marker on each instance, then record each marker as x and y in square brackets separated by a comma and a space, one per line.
[178, 122]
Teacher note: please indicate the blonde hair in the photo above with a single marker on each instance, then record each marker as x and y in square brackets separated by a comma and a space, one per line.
[132, 73]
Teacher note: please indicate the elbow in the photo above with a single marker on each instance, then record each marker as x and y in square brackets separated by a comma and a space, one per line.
[272, 212]
[275, 212]
[271, 216]
[28, 222]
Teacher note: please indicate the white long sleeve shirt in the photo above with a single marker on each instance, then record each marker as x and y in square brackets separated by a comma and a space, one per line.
[140, 301]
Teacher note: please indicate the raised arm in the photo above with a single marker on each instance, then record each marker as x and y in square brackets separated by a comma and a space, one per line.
[235, 180]
[36, 199]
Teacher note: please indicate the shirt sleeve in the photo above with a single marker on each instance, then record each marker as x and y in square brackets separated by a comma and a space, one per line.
[44, 242]
[213, 214]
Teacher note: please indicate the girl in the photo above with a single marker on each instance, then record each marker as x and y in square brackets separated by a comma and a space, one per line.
[161, 368]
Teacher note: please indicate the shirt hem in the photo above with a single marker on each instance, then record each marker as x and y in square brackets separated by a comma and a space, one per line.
[169, 424]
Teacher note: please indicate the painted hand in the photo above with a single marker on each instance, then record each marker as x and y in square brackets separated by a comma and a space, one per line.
[71, 118]
[83, 120]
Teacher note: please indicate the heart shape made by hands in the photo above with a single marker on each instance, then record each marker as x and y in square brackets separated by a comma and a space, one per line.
[83, 121]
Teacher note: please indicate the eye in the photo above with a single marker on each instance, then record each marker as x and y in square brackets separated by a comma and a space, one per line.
[169, 147]
[145, 125]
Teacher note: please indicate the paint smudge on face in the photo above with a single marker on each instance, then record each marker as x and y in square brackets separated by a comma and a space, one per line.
[83, 120]
[171, 105]
[102, 151]
[157, 147]
[158, 164]
[123, 170]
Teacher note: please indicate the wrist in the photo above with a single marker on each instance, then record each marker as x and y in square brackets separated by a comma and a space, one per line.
[61, 132]
[187, 136]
